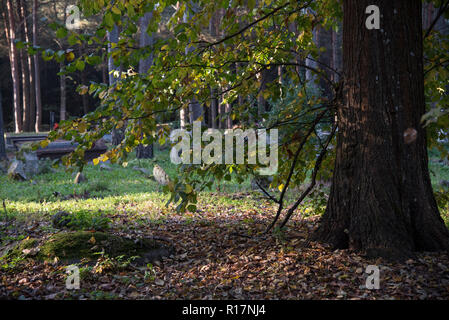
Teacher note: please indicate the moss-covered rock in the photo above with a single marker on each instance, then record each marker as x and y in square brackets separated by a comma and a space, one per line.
[84, 244]
[72, 247]
[16, 250]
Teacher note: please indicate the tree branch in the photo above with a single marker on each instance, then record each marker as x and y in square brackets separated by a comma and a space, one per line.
[441, 10]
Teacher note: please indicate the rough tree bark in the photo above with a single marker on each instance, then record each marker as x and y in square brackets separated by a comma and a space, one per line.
[381, 200]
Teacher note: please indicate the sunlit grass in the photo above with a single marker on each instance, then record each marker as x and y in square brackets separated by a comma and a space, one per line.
[124, 190]
[120, 190]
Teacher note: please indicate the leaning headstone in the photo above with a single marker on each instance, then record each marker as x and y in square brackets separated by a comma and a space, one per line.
[31, 163]
[80, 178]
[160, 176]
[107, 138]
[143, 170]
[16, 171]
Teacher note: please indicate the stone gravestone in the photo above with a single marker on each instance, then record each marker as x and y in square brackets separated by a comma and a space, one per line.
[16, 171]
[31, 163]
[160, 176]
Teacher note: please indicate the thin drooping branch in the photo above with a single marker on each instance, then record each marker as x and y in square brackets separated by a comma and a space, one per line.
[440, 64]
[442, 9]
[292, 168]
[242, 30]
[314, 174]
[269, 196]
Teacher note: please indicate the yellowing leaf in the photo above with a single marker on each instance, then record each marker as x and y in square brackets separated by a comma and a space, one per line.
[70, 56]
[104, 158]
[44, 143]
[116, 10]
[120, 124]
[83, 90]
[82, 127]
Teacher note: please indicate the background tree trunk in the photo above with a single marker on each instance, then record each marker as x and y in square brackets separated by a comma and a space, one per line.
[214, 102]
[25, 92]
[31, 108]
[85, 97]
[37, 77]
[14, 60]
[113, 37]
[195, 108]
[381, 200]
[63, 105]
[310, 61]
[337, 53]
[26, 97]
[143, 152]
[2, 132]
[325, 59]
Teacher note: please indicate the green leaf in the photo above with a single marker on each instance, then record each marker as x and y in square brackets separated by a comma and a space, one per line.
[61, 33]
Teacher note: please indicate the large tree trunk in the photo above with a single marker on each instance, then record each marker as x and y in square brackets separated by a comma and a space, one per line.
[14, 57]
[381, 200]
[37, 77]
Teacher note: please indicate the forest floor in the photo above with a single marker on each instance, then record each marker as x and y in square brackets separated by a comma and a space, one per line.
[219, 252]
